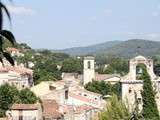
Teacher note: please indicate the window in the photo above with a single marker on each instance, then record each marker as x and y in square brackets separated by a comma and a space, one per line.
[139, 100]
[52, 87]
[66, 94]
[130, 90]
[89, 64]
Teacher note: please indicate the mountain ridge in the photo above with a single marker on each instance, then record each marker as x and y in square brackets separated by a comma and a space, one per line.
[126, 48]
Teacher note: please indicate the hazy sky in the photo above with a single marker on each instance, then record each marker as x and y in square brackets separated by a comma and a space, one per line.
[56, 24]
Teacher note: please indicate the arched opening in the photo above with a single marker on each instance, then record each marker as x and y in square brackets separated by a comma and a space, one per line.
[89, 64]
[140, 69]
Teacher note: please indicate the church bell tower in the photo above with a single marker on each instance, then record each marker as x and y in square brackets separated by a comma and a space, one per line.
[88, 69]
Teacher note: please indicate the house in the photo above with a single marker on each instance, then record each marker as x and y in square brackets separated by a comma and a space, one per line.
[14, 51]
[83, 112]
[109, 78]
[16, 75]
[80, 96]
[51, 90]
[25, 112]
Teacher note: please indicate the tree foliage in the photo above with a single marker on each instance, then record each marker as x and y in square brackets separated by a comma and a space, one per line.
[27, 97]
[150, 110]
[72, 65]
[46, 71]
[115, 110]
[115, 65]
[5, 35]
[10, 95]
[103, 88]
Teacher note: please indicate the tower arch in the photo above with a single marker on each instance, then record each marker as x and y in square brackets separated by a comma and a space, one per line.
[133, 63]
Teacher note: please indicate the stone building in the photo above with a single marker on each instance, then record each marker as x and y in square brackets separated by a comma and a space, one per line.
[131, 86]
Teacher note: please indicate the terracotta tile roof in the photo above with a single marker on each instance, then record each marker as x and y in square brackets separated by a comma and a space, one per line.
[104, 76]
[79, 97]
[24, 107]
[11, 49]
[17, 69]
[51, 109]
[76, 109]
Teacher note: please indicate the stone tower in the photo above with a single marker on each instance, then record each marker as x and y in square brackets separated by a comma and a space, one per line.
[88, 69]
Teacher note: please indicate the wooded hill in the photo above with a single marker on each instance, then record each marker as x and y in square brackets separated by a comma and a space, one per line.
[127, 48]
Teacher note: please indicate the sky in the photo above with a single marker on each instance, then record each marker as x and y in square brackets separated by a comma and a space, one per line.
[59, 24]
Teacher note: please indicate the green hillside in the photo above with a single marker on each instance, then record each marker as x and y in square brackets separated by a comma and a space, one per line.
[127, 48]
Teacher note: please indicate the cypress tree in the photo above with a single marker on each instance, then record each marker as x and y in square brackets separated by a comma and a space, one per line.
[150, 110]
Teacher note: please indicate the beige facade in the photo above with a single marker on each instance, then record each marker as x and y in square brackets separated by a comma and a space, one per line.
[25, 112]
[132, 87]
[51, 90]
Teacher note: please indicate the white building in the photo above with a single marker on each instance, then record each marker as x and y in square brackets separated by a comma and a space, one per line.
[16, 75]
[131, 86]
[88, 70]
[52, 90]
[81, 96]
[25, 112]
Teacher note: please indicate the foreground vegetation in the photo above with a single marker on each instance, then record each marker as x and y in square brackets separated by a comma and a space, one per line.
[115, 110]
[150, 110]
[10, 95]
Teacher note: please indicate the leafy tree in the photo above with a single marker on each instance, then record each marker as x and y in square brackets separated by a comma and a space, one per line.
[116, 89]
[46, 71]
[150, 110]
[8, 96]
[116, 65]
[5, 35]
[72, 65]
[115, 110]
[103, 88]
[27, 97]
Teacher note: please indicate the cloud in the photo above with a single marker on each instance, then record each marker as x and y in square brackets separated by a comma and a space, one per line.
[20, 10]
[93, 18]
[155, 14]
[152, 36]
[108, 12]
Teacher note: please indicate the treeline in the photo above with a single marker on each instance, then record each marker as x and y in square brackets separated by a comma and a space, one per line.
[49, 65]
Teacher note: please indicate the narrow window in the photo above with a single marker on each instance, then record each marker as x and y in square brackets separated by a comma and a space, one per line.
[139, 100]
[66, 94]
[130, 90]
[89, 64]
